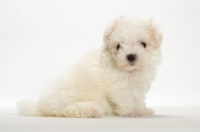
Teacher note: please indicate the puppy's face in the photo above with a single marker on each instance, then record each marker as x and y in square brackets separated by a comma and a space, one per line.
[131, 42]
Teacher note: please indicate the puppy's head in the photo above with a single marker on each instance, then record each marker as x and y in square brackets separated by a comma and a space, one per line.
[131, 42]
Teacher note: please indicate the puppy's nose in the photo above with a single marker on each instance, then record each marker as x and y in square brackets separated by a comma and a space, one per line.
[131, 57]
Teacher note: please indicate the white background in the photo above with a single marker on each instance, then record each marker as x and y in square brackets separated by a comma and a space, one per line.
[40, 40]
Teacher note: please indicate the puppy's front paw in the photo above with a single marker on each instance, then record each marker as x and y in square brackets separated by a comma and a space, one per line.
[94, 113]
[84, 110]
[149, 111]
[137, 112]
[142, 112]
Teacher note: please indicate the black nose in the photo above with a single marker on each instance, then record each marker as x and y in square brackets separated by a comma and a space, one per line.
[131, 57]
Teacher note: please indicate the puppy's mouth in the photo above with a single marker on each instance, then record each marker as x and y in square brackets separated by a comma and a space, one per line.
[130, 66]
[133, 66]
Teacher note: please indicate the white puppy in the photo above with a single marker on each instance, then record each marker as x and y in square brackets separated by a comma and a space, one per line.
[109, 81]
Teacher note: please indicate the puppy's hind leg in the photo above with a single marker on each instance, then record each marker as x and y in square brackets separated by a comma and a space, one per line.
[87, 109]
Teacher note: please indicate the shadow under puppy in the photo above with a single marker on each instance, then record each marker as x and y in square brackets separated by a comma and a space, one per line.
[110, 81]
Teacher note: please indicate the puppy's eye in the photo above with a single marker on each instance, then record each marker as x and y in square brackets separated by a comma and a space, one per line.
[143, 44]
[118, 46]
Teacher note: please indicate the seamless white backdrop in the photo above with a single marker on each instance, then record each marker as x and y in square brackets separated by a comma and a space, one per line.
[41, 39]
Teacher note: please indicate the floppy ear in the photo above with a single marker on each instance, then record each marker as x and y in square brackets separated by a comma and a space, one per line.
[110, 28]
[156, 34]
[158, 37]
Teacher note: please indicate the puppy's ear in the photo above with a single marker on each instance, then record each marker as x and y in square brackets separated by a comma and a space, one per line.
[158, 37]
[156, 34]
[110, 28]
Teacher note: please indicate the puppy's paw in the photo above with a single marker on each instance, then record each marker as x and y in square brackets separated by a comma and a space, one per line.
[141, 112]
[94, 113]
[137, 112]
[149, 111]
[84, 110]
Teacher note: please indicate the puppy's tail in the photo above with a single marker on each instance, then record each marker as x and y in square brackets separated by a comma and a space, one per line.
[28, 107]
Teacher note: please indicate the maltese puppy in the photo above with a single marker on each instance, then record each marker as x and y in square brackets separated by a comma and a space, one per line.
[110, 81]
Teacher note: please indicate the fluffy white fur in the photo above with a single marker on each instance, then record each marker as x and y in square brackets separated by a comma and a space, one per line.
[104, 82]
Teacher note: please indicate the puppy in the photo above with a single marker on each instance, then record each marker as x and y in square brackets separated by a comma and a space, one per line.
[109, 81]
